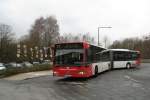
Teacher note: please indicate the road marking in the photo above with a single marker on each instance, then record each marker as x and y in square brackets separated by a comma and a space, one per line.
[128, 77]
[135, 83]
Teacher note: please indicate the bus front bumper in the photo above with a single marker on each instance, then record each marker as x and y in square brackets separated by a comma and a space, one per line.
[78, 72]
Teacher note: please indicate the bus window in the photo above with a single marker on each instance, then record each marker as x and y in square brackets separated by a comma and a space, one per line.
[119, 56]
[135, 56]
[105, 56]
[97, 57]
[92, 54]
[69, 56]
[125, 56]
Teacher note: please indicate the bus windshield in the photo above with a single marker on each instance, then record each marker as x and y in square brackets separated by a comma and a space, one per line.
[69, 57]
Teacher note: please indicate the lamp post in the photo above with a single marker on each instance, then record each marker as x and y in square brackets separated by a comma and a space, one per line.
[98, 33]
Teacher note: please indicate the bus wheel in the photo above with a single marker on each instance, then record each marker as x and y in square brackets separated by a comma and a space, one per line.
[128, 66]
[96, 71]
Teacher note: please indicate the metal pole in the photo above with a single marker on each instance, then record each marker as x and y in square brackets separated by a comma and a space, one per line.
[98, 33]
[98, 36]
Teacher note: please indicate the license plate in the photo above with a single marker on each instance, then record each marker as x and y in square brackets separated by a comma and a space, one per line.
[67, 76]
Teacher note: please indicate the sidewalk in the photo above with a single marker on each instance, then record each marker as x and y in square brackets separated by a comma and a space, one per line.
[29, 75]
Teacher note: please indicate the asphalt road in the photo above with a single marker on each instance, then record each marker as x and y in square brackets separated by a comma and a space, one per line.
[123, 84]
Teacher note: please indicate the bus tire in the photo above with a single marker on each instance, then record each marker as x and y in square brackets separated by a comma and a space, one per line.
[128, 65]
[96, 71]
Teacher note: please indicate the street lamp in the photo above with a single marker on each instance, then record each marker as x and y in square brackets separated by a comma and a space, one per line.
[98, 33]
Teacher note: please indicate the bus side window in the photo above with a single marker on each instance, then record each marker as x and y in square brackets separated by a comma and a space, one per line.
[105, 56]
[127, 56]
[119, 56]
[115, 56]
[134, 56]
[97, 57]
[88, 54]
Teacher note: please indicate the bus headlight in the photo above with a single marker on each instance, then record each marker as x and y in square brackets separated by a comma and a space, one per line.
[81, 72]
[55, 73]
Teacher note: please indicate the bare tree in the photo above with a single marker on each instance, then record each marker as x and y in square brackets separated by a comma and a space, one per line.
[76, 38]
[36, 32]
[51, 31]
[5, 34]
[44, 32]
[7, 44]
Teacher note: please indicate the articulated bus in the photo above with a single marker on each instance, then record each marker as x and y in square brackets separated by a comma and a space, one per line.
[75, 59]
[85, 60]
[118, 58]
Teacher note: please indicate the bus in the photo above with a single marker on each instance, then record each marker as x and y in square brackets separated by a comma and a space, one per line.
[119, 58]
[75, 59]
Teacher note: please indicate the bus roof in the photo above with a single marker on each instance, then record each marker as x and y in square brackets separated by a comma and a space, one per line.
[127, 50]
[81, 42]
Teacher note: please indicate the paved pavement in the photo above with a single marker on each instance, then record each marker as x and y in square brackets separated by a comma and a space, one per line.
[24, 76]
[123, 84]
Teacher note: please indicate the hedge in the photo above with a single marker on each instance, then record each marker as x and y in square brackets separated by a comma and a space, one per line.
[16, 70]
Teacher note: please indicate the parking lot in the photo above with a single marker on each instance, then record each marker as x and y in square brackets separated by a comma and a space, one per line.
[121, 84]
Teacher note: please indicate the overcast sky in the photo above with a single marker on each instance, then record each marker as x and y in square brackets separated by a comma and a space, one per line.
[128, 18]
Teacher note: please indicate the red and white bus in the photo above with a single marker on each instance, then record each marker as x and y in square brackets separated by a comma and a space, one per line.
[119, 58]
[76, 59]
